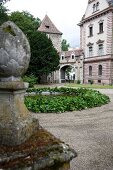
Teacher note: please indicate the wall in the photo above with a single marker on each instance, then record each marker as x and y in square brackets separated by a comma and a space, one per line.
[56, 40]
[106, 73]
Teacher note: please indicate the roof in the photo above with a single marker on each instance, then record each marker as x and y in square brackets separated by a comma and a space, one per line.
[47, 26]
[110, 1]
[77, 52]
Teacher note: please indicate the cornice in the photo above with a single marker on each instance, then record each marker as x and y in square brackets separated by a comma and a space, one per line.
[103, 12]
[98, 59]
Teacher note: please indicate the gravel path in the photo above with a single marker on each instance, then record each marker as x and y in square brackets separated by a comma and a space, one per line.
[89, 132]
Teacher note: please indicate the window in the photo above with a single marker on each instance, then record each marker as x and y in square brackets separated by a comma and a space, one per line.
[73, 56]
[99, 81]
[101, 27]
[100, 70]
[97, 6]
[94, 7]
[90, 51]
[62, 57]
[90, 70]
[90, 31]
[100, 49]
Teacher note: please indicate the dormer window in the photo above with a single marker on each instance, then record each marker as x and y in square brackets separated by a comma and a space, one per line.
[97, 6]
[94, 7]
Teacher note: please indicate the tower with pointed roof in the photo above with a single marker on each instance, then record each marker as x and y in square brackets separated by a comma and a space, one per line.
[96, 40]
[51, 31]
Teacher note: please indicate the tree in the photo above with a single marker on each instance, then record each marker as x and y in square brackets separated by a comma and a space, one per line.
[3, 14]
[44, 57]
[25, 21]
[68, 71]
[3, 1]
[64, 45]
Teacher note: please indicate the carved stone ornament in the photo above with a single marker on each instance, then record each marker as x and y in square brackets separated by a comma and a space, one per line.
[14, 52]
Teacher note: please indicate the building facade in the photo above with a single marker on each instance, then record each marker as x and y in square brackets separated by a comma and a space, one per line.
[72, 59]
[96, 40]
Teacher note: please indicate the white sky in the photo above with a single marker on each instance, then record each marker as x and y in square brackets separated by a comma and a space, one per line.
[65, 14]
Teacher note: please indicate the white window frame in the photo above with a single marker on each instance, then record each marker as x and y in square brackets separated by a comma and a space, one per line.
[100, 49]
[90, 50]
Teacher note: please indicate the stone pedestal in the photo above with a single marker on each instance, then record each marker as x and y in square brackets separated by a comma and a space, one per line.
[42, 151]
[16, 122]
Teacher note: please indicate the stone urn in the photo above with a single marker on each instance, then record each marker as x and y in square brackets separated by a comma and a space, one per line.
[14, 52]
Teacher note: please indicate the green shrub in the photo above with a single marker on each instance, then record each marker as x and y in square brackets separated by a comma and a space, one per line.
[68, 99]
[91, 81]
[78, 81]
[31, 79]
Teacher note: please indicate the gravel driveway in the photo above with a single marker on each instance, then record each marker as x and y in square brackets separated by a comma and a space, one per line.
[89, 132]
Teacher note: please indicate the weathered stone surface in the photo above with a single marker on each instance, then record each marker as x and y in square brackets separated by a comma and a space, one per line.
[14, 52]
[41, 151]
[16, 122]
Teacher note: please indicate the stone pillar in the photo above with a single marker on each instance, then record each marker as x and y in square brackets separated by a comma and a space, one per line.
[16, 122]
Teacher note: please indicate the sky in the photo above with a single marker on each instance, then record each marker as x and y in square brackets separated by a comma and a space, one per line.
[65, 14]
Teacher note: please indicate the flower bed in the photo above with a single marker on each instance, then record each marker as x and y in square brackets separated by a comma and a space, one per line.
[68, 99]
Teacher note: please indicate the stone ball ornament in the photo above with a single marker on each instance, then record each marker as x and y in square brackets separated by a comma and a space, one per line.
[14, 52]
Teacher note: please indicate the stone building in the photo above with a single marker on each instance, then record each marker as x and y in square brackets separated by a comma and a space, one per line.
[52, 32]
[73, 59]
[96, 40]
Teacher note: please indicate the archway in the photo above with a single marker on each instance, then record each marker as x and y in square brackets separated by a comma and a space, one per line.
[64, 77]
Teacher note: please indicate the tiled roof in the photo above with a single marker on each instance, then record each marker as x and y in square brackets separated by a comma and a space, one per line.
[77, 52]
[47, 26]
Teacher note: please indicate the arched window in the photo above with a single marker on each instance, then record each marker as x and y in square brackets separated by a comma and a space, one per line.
[90, 70]
[100, 70]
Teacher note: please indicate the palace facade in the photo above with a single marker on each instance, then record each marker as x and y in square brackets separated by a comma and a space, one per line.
[96, 40]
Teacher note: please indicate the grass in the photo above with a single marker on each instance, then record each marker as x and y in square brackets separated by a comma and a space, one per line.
[94, 86]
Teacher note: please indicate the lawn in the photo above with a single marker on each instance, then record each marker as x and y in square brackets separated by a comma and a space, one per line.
[94, 86]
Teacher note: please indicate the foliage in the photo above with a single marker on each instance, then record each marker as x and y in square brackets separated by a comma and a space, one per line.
[25, 21]
[31, 79]
[78, 81]
[3, 1]
[44, 57]
[68, 71]
[3, 14]
[67, 99]
[91, 81]
[64, 45]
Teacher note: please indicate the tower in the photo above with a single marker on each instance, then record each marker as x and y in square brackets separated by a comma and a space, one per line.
[51, 31]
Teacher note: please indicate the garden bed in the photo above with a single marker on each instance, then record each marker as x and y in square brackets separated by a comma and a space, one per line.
[68, 99]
